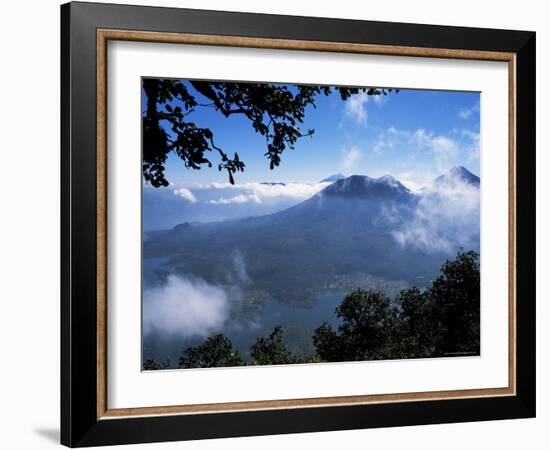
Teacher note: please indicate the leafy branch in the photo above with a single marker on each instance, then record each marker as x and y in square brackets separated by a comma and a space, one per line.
[275, 111]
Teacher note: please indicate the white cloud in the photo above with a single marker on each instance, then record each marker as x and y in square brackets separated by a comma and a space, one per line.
[261, 192]
[415, 180]
[350, 158]
[447, 216]
[440, 145]
[390, 139]
[381, 99]
[473, 136]
[186, 194]
[355, 108]
[184, 307]
[420, 139]
[240, 273]
[472, 144]
[451, 150]
[239, 199]
[443, 151]
[467, 112]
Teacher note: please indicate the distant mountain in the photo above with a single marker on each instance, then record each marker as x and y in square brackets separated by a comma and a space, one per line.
[457, 174]
[333, 178]
[346, 230]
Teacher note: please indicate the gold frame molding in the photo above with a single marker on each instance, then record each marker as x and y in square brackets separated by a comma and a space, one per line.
[103, 36]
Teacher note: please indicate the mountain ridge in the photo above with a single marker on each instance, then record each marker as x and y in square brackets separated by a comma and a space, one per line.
[333, 178]
[363, 185]
[348, 228]
[458, 173]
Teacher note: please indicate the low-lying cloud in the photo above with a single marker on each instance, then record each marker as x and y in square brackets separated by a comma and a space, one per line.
[186, 194]
[185, 308]
[237, 199]
[262, 192]
[447, 217]
[240, 271]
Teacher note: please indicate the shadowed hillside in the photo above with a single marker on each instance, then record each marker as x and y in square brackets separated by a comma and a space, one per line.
[350, 230]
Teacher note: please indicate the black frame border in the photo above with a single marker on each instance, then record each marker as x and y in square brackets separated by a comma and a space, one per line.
[79, 424]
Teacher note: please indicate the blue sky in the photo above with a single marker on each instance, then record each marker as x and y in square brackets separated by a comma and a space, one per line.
[413, 135]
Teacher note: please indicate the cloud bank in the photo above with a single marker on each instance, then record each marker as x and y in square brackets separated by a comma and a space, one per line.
[447, 216]
[262, 192]
[186, 194]
[184, 307]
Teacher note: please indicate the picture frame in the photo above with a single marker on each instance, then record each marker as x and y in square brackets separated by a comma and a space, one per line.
[86, 29]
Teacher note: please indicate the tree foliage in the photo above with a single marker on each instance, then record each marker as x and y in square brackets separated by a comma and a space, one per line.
[216, 351]
[153, 364]
[456, 305]
[367, 330]
[272, 349]
[440, 321]
[443, 320]
[417, 330]
[275, 111]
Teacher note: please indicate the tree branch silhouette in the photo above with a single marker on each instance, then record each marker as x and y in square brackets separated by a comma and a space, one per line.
[275, 111]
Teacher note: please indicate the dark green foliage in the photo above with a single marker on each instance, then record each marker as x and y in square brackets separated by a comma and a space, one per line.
[272, 349]
[327, 343]
[216, 351]
[441, 321]
[367, 329]
[417, 330]
[153, 364]
[456, 305]
[274, 111]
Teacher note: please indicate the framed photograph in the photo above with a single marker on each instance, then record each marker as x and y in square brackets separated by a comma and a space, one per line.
[276, 224]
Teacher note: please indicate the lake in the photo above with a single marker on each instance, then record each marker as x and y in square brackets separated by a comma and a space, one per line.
[298, 322]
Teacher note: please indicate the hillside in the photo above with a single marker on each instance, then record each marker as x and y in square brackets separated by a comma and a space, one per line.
[345, 232]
